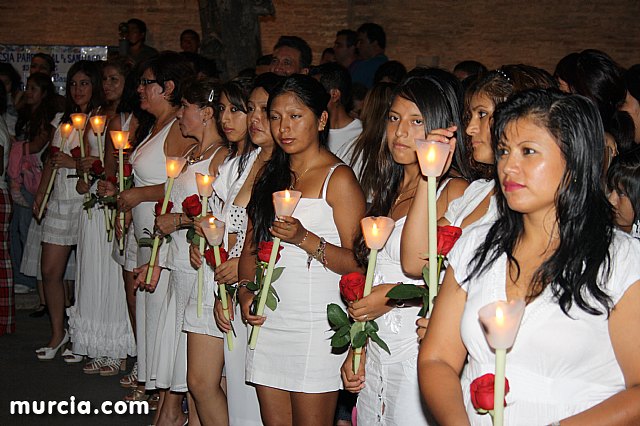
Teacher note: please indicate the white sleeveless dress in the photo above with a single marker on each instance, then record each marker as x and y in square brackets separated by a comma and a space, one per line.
[99, 321]
[242, 400]
[294, 352]
[391, 395]
[148, 161]
[170, 361]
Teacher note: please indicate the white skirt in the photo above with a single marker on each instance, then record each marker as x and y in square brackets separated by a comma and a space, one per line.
[30, 265]
[206, 324]
[60, 223]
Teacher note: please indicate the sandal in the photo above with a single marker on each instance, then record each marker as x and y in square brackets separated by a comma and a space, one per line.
[70, 358]
[93, 367]
[136, 395]
[112, 367]
[41, 311]
[130, 380]
[154, 401]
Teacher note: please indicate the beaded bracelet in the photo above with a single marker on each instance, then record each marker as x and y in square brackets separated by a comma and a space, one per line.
[303, 239]
[318, 254]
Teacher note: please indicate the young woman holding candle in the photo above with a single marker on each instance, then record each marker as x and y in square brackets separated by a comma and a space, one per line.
[426, 101]
[200, 348]
[574, 359]
[160, 94]
[295, 372]
[477, 204]
[98, 322]
[60, 223]
[234, 187]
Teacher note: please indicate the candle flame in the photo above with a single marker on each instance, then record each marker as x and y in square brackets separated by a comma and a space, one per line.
[287, 195]
[206, 178]
[212, 221]
[374, 229]
[499, 316]
[431, 155]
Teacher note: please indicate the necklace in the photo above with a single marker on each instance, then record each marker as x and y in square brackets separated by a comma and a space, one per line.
[297, 179]
[399, 197]
[191, 159]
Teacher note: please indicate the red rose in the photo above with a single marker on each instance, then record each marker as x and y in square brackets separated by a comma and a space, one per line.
[54, 149]
[192, 205]
[96, 167]
[352, 286]
[482, 392]
[127, 169]
[211, 259]
[264, 251]
[158, 207]
[113, 180]
[447, 237]
[75, 152]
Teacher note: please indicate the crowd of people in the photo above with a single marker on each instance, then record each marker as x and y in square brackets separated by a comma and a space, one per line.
[542, 178]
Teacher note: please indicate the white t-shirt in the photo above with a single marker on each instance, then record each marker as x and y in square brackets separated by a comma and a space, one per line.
[559, 365]
[340, 140]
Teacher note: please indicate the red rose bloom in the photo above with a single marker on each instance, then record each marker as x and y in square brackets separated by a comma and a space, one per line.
[482, 392]
[264, 251]
[192, 205]
[75, 152]
[352, 286]
[97, 168]
[54, 149]
[127, 169]
[211, 258]
[158, 207]
[113, 180]
[447, 237]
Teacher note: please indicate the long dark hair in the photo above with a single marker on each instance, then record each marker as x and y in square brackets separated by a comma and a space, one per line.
[624, 177]
[277, 174]
[438, 96]
[91, 70]
[583, 214]
[237, 92]
[30, 123]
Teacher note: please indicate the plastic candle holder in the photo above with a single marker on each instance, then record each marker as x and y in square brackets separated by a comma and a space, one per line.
[119, 138]
[432, 156]
[174, 166]
[79, 120]
[204, 182]
[97, 123]
[65, 131]
[376, 230]
[285, 202]
[213, 230]
[500, 322]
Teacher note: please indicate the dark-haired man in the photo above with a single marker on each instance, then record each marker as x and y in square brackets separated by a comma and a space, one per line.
[291, 55]
[137, 35]
[372, 41]
[345, 48]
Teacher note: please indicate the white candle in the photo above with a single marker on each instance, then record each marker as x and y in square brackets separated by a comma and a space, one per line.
[432, 156]
[213, 230]
[500, 321]
[285, 202]
[205, 184]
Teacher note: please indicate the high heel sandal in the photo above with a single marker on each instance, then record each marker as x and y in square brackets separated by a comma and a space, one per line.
[70, 358]
[40, 312]
[47, 353]
[112, 367]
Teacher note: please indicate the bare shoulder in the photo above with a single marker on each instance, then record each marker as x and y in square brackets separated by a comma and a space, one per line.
[344, 185]
[456, 187]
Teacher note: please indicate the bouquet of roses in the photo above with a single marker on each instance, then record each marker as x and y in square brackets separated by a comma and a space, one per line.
[447, 237]
[346, 331]
[148, 241]
[264, 252]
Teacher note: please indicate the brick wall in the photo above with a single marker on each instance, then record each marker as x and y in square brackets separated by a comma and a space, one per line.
[418, 31]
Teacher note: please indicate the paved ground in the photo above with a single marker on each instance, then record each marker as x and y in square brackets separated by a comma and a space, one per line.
[23, 377]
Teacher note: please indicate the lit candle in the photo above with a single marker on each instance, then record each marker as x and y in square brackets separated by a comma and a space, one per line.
[284, 203]
[500, 322]
[213, 230]
[79, 121]
[205, 189]
[120, 138]
[376, 231]
[97, 125]
[432, 157]
[65, 132]
[174, 166]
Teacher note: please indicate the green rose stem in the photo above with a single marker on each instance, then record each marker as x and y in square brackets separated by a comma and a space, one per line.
[498, 388]
[223, 298]
[262, 301]
[371, 268]
[65, 131]
[201, 268]
[156, 239]
[79, 121]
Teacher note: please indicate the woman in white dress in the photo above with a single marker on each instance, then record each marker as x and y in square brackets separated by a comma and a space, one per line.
[234, 186]
[99, 324]
[160, 94]
[477, 204]
[574, 360]
[200, 348]
[391, 395]
[60, 223]
[297, 376]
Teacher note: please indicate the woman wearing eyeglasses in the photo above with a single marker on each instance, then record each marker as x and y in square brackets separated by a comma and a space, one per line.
[159, 89]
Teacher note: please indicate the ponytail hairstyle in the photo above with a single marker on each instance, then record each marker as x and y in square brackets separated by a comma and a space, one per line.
[438, 96]
[277, 174]
[578, 270]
